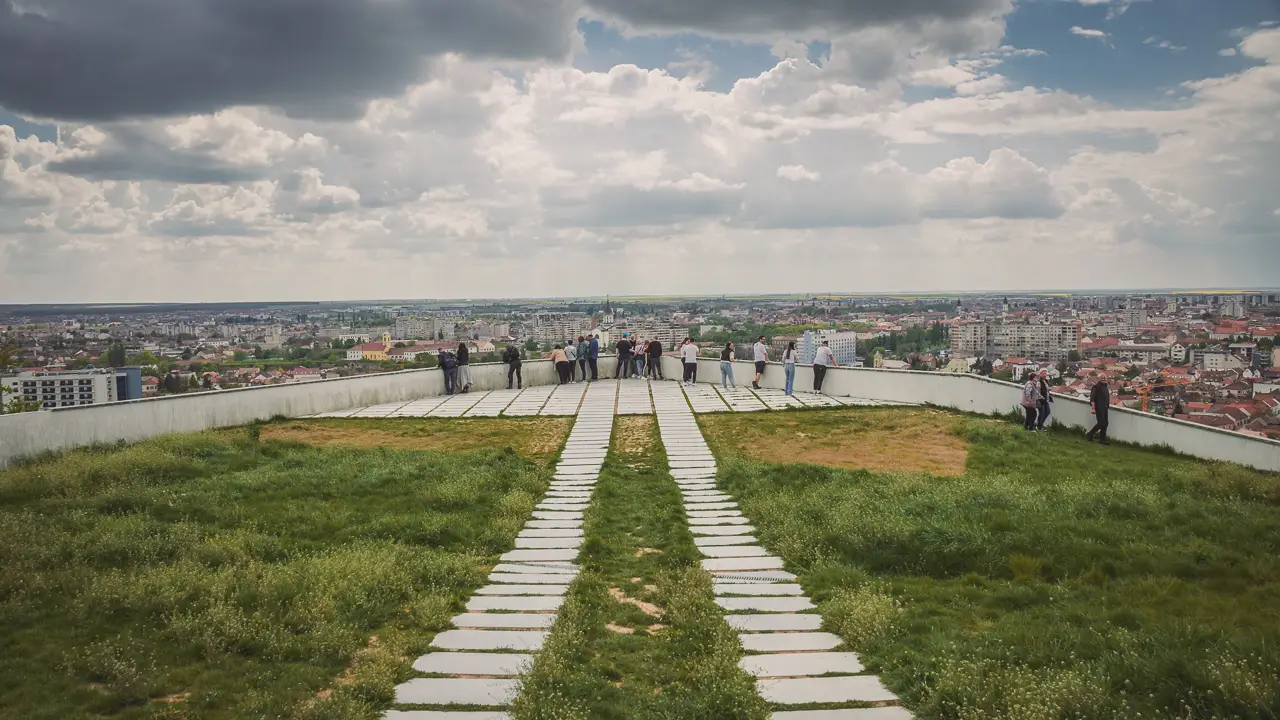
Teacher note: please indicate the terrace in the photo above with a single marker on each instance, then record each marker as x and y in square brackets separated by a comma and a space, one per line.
[633, 549]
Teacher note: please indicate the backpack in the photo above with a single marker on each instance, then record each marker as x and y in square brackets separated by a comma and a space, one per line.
[1029, 394]
[448, 361]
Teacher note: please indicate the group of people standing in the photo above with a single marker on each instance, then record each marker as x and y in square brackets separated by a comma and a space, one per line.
[457, 370]
[1037, 401]
[582, 356]
[822, 359]
[639, 359]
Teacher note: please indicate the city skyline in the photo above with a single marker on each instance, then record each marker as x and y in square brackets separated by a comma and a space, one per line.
[578, 148]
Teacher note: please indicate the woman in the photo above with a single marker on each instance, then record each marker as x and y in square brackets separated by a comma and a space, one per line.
[789, 365]
[641, 348]
[464, 367]
[726, 367]
[584, 356]
[1042, 407]
[1030, 402]
[689, 355]
[561, 364]
[571, 357]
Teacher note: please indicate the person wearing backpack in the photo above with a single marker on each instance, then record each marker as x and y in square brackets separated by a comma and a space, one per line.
[449, 364]
[584, 357]
[1031, 401]
[511, 356]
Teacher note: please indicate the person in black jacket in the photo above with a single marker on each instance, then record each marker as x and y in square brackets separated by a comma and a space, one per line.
[1045, 398]
[655, 359]
[464, 368]
[511, 356]
[624, 359]
[1100, 398]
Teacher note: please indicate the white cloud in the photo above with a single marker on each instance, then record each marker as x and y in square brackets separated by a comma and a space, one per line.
[1088, 32]
[796, 173]
[1228, 52]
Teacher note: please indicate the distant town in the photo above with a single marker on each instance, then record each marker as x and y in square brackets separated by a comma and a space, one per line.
[1205, 357]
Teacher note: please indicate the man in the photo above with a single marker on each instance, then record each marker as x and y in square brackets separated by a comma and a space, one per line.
[1100, 398]
[512, 358]
[689, 356]
[1043, 410]
[655, 359]
[639, 355]
[761, 357]
[593, 358]
[449, 364]
[623, 369]
[822, 359]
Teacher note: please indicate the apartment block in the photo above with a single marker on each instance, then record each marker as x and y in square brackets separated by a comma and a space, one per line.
[69, 388]
[844, 346]
[1041, 342]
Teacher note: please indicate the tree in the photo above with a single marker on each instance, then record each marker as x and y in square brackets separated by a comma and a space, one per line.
[240, 356]
[1062, 366]
[1073, 356]
[530, 345]
[115, 355]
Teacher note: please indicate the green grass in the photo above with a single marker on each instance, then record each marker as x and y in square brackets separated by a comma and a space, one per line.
[1052, 579]
[686, 669]
[216, 576]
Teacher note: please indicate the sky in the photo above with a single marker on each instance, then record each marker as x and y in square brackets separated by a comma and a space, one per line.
[240, 150]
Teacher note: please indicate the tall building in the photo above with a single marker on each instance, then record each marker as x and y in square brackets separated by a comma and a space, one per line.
[1131, 319]
[844, 346]
[1043, 342]
[68, 388]
[558, 327]
[412, 328]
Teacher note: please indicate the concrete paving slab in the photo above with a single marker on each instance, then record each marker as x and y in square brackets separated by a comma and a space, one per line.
[550, 533]
[530, 578]
[504, 621]
[719, 521]
[714, 541]
[562, 524]
[852, 688]
[714, 505]
[800, 664]
[874, 713]
[523, 589]
[750, 563]
[792, 642]
[775, 622]
[526, 603]
[466, 663]
[445, 715]
[753, 576]
[723, 530]
[538, 555]
[490, 639]
[457, 691]
[765, 604]
[733, 551]
[539, 568]
[700, 513]
[557, 515]
[561, 506]
[548, 543]
[757, 589]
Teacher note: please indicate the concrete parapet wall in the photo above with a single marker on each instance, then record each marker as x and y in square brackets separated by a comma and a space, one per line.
[977, 394]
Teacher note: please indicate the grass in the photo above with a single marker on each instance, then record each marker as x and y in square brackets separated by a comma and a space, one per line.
[217, 575]
[903, 439]
[639, 636]
[1051, 579]
[537, 438]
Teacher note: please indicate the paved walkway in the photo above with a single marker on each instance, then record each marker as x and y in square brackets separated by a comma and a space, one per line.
[794, 661]
[633, 399]
[479, 661]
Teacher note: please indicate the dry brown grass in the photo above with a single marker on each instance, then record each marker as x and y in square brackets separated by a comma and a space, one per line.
[535, 438]
[634, 434]
[878, 439]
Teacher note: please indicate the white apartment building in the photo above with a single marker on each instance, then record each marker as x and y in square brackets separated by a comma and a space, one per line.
[559, 327]
[62, 388]
[1216, 360]
[843, 344]
[412, 328]
[1042, 342]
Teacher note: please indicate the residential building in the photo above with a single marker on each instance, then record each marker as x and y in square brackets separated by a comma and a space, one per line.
[1178, 352]
[68, 388]
[1147, 353]
[558, 327]
[1216, 360]
[844, 346]
[412, 328]
[1131, 319]
[1041, 342]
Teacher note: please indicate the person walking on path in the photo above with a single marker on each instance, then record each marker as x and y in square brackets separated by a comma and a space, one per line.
[623, 369]
[449, 365]
[655, 359]
[571, 355]
[689, 356]
[1043, 409]
[822, 359]
[584, 357]
[511, 356]
[1031, 401]
[761, 355]
[726, 367]
[561, 362]
[593, 357]
[464, 367]
[640, 355]
[1100, 398]
[789, 366]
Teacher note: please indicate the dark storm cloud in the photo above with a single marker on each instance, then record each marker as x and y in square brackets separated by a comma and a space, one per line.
[132, 155]
[773, 16]
[107, 59]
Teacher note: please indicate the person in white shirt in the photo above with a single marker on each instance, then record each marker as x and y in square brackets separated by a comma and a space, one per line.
[821, 360]
[571, 354]
[789, 366]
[689, 355]
[761, 357]
[726, 367]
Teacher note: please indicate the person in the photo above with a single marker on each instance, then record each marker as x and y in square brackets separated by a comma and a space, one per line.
[511, 356]
[449, 364]
[726, 367]
[571, 355]
[1031, 401]
[1100, 398]
[640, 354]
[761, 356]
[1042, 409]
[689, 355]
[822, 359]
[561, 364]
[655, 359]
[789, 366]
[593, 357]
[464, 367]
[623, 369]
[584, 357]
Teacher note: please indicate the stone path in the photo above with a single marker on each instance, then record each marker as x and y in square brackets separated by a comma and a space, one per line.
[795, 663]
[479, 662]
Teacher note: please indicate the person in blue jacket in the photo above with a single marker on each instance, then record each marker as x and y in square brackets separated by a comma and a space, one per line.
[595, 356]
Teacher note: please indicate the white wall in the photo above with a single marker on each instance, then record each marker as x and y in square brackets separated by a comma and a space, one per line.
[977, 394]
[27, 434]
